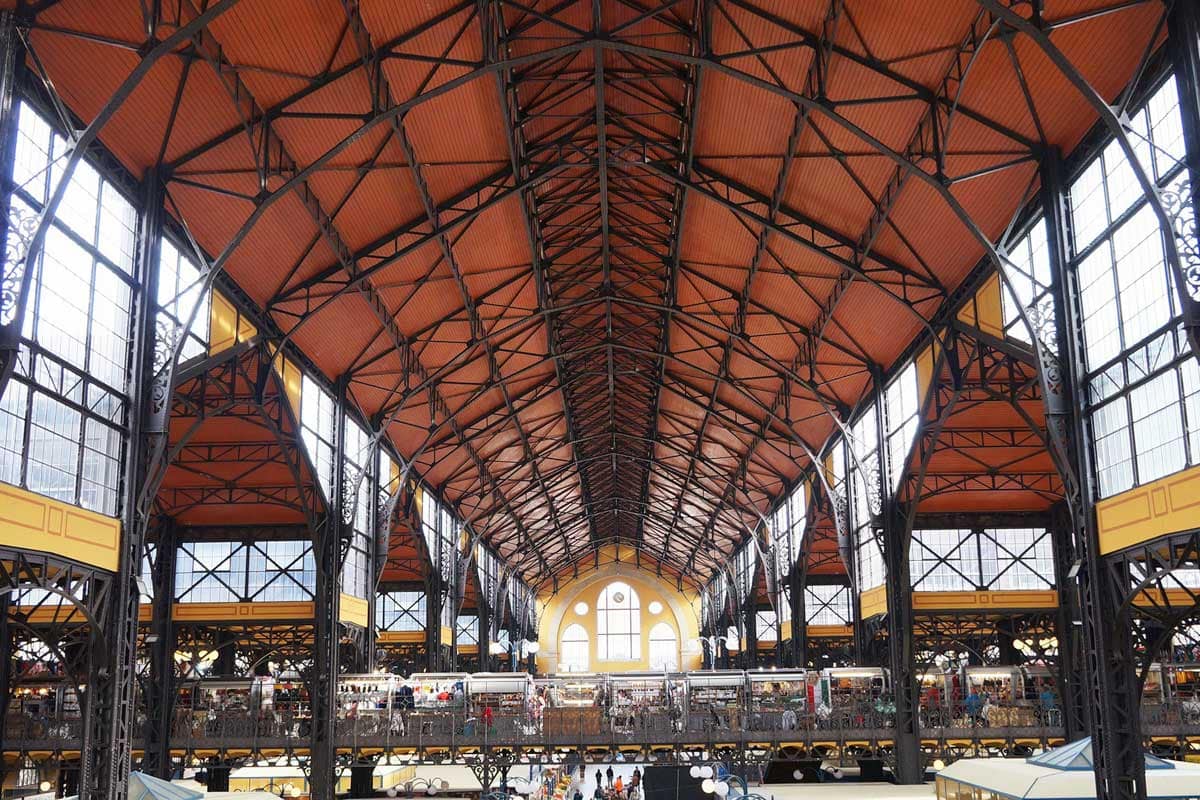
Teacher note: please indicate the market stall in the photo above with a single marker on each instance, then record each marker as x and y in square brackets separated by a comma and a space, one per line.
[40, 709]
[644, 700]
[438, 701]
[1183, 681]
[1153, 690]
[438, 690]
[937, 689]
[366, 700]
[854, 697]
[715, 700]
[500, 700]
[991, 695]
[773, 694]
[574, 704]
[216, 707]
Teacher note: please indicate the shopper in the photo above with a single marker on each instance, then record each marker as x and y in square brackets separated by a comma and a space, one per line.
[974, 706]
[789, 719]
[609, 773]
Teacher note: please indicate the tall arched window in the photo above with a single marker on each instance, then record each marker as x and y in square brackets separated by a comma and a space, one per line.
[664, 647]
[619, 623]
[573, 652]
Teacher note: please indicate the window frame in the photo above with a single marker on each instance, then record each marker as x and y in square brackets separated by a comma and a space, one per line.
[631, 607]
[92, 476]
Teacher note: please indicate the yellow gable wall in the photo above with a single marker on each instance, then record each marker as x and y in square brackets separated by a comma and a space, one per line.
[680, 611]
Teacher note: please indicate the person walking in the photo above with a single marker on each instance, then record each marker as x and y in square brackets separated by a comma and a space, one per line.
[599, 779]
[609, 773]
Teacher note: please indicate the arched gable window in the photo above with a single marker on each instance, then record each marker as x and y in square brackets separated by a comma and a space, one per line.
[664, 647]
[619, 623]
[573, 651]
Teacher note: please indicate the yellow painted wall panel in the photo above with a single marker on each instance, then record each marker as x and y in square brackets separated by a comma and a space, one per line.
[1165, 598]
[31, 522]
[1168, 505]
[353, 610]
[680, 611]
[245, 331]
[872, 602]
[222, 324]
[246, 612]
[819, 631]
[226, 326]
[984, 310]
[400, 637]
[925, 601]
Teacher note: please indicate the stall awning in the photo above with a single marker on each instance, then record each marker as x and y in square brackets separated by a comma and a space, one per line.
[147, 787]
[1065, 773]
[1078, 755]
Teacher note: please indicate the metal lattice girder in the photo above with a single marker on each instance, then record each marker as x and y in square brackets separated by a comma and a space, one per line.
[595, 210]
[1156, 582]
[602, 160]
[1111, 687]
[160, 685]
[227, 386]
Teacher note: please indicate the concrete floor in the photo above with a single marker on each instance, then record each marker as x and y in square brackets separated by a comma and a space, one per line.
[812, 791]
[462, 780]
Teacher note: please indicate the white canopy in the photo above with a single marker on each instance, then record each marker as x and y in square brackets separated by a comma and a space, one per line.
[1066, 773]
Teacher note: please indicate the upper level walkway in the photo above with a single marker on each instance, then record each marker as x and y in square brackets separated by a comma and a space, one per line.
[448, 735]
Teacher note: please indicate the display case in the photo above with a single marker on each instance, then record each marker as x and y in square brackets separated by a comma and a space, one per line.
[1153, 691]
[936, 687]
[645, 689]
[775, 693]
[51, 699]
[291, 696]
[366, 695]
[1036, 678]
[999, 685]
[238, 696]
[572, 690]
[438, 690]
[1183, 681]
[224, 706]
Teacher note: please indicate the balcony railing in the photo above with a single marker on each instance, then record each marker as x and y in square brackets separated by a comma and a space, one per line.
[593, 728]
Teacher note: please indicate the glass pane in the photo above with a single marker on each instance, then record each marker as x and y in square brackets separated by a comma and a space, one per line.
[1110, 433]
[54, 437]
[1158, 427]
